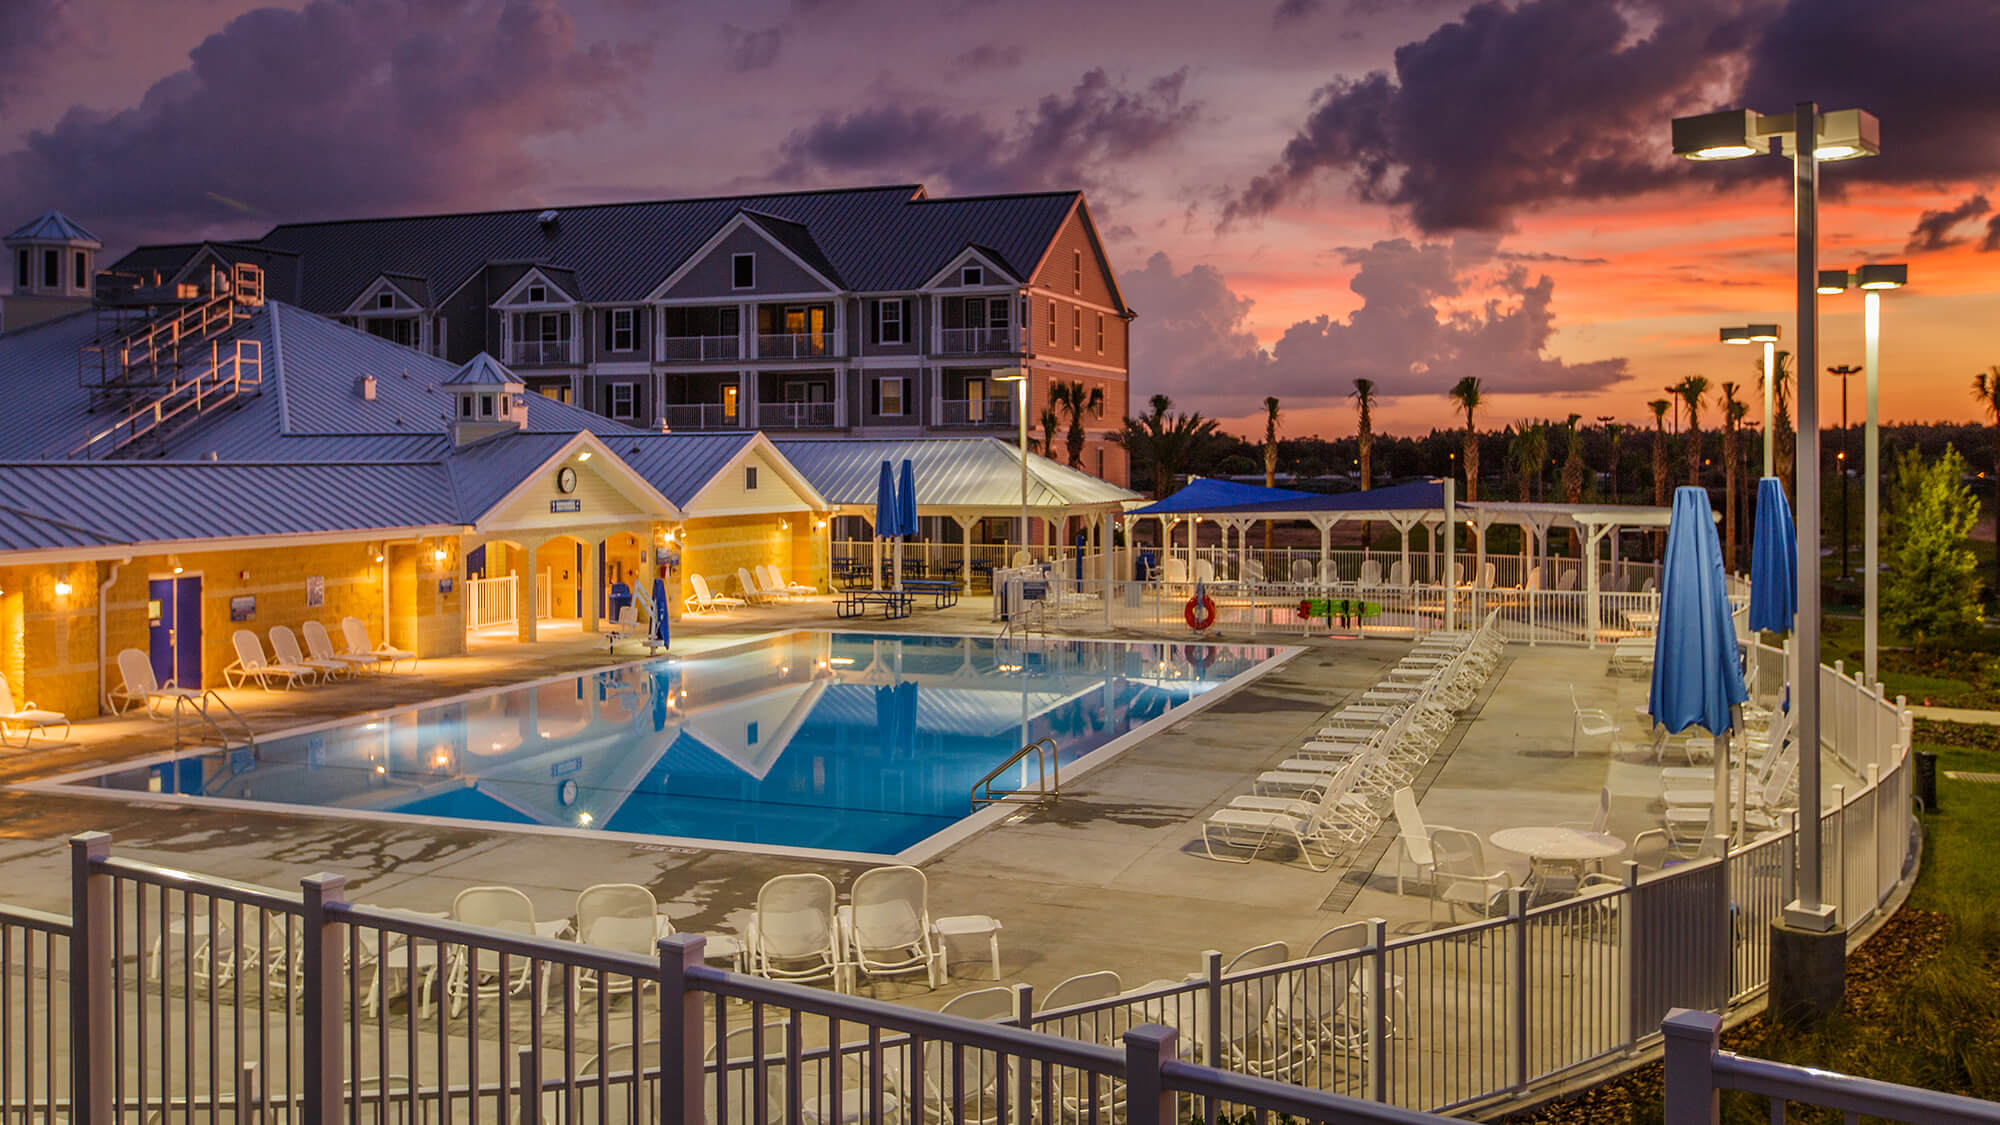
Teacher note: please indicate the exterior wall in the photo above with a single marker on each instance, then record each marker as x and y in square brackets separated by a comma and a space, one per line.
[595, 394]
[714, 547]
[597, 335]
[48, 642]
[1057, 276]
[861, 327]
[916, 395]
[469, 320]
[776, 272]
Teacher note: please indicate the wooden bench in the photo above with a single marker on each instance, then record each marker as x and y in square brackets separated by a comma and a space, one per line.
[855, 603]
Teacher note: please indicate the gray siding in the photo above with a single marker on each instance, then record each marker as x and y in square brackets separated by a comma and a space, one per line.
[776, 272]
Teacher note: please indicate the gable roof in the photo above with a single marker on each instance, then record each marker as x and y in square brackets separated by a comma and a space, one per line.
[966, 473]
[53, 226]
[797, 238]
[482, 370]
[873, 239]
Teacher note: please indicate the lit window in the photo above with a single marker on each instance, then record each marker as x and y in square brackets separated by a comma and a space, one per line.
[743, 271]
[890, 396]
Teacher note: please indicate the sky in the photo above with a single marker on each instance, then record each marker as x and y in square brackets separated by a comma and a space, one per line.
[1295, 193]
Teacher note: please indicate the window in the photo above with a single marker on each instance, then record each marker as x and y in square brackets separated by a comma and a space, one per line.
[888, 322]
[537, 294]
[1076, 328]
[385, 300]
[1052, 322]
[972, 275]
[1100, 333]
[996, 313]
[1100, 464]
[486, 406]
[890, 395]
[749, 478]
[1076, 270]
[621, 330]
[729, 397]
[622, 399]
[437, 337]
[82, 270]
[187, 291]
[397, 329]
[743, 271]
[558, 393]
[465, 406]
[22, 271]
[51, 269]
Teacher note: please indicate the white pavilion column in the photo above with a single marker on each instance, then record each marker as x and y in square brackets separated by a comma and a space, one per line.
[1480, 522]
[1593, 591]
[527, 625]
[1450, 570]
[965, 526]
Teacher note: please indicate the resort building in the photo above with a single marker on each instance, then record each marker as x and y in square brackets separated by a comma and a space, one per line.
[878, 312]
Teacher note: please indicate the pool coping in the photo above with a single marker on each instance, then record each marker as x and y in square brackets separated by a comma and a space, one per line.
[923, 851]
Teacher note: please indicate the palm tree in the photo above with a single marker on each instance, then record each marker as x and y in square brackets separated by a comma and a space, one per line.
[1659, 407]
[1363, 395]
[1074, 402]
[1573, 466]
[1612, 431]
[1733, 412]
[1986, 392]
[1049, 423]
[1692, 390]
[1270, 454]
[1166, 443]
[1466, 393]
[1527, 451]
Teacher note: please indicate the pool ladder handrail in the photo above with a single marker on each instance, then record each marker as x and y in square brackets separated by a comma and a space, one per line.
[1048, 772]
[183, 705]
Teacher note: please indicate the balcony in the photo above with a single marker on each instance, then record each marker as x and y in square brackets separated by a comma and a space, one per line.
[700, 349]
[795, 416]
[977, 412]
[978, 341]
[795, 345]
[701, 416]
[531, 353]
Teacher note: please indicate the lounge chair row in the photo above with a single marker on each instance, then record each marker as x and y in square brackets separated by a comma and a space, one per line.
[762, 584]
[323, 663]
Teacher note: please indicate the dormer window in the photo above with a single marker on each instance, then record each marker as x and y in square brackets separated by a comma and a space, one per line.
[465, 406]
[538, 294]
[506, 406]
[972, 275]
[385, 300]
[82, 270]
[486, 406]
[743, 271]
[51, 269]
[22, 271]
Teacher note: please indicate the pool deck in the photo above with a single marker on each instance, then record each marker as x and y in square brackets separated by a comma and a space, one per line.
[1112, 876]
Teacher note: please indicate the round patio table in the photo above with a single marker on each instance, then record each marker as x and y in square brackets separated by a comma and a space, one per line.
[1552, 848]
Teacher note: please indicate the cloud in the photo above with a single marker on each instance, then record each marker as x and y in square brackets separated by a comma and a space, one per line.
[1992, 240]
[1063, 141]
[1430, 313]
[1934, 228]
[32, 34]
[1293, 11]
[1548, 256]
[752, 50]
[990, 56]
[344, 107]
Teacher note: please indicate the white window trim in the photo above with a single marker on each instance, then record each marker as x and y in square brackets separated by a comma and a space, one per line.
[735, 258]
[386, 299]
[630, 330]
[528, 295]
[631, 396]
[902, 385]
[884, 307]
[1076, 271]
[749, 478]
[965, 278]
[1100, 333]
[1076, 327]
[1054, 318]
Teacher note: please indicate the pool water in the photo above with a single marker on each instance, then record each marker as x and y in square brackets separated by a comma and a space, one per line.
[848, 742]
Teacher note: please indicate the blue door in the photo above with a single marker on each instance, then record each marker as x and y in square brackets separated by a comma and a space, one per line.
[160, 627]
[173, 630]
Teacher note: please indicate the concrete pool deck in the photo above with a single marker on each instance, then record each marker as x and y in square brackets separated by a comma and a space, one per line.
[1112, 877]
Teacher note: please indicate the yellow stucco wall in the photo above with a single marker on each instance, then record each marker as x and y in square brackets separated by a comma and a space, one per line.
[716, 546]
[48, 641]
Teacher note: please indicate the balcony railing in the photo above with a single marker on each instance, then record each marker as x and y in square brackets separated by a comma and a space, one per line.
[794, 345]
[795, 415]
[978, 341]
[977, 412]
[701, 416]
[532, 352]
[695, 349]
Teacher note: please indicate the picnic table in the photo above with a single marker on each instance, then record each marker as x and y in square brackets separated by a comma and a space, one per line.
[942, 591]
[855, 603]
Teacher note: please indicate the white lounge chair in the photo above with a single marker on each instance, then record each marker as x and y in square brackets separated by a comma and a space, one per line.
[1302, 572]
[321, 647]
[285, 646]
[251, 665]
[358, 645]
[750, 589]
[142, 687]
[887, 929]
[1371, 572]
[1257, 1038]
[30, 717]
[798, 590]
[1082, 988]
[793, 935]
[703, 601]
[1593, 721]
[623, 917]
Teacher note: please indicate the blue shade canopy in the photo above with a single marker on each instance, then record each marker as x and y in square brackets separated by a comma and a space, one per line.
[660, 625]
[886, 515]
[1774, 561]
[906, 501]
[1697, 676]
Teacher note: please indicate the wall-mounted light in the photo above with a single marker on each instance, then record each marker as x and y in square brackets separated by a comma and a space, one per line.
[819, 525]
[174, 561]
[784, 525]
[583, 456]
[440, 554]
[62, 589]
[583, 819]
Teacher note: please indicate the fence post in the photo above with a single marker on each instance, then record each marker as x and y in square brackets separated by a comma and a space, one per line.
[1725, 926]
[1517, 926]
[1628, 954]
[324, 999]
[1691, 1039]
[1024, 1071]
[93, 981]
[682, 1045]
[1147, 1099]
[1834, 890]
[1211, 960]
[1874, 836]
[1376, 1009]
[531, 1087]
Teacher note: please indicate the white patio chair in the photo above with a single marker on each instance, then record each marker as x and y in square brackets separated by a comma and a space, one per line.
[623, 917]
[1415, 841]
[1329, 573]
[1302, 572]
[1566, 580]
[321, 647]
[1399, 573]
[738, 1066]
[1204, 571]
[1371, 572]
[1490, 575]
[496, 908]
[358, 644]
[977, 1100]
[704, 601]
[142, 687]
[1595, 722]
[1600, 822]
[1174, 571]
[797, 590]
[793, 935]
[1329, 1004]
[285, 646]
[1252, 570]
[887, 927]
[251, 665]
[1254, 1038]
[1463, 879]
[1082, 988]
[1257, 829]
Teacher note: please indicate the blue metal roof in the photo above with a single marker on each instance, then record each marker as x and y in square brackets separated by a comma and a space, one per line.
[1206, 494]
[974, 472]
[53, 226]
[483, 370]
[1416, 496]
[679, 464]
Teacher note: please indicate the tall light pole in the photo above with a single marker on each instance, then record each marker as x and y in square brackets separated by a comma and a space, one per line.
[1871, 280]
[1767, 335]
[1020, 375]
[1807, 948]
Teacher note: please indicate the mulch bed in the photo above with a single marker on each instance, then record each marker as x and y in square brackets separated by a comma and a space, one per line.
[1904, 942]
[1965, 736]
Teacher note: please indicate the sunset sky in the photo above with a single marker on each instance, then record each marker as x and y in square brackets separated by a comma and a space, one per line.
[1295, 192]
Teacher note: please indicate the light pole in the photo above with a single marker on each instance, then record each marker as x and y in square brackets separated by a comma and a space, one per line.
[1767, 335]
[1020, 376]
[1808, 955]
[1871, 280]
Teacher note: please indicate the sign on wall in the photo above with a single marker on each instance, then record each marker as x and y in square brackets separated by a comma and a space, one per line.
[315, 591]
[571, 505]
[243, 607]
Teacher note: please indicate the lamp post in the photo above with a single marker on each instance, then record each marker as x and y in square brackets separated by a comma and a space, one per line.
[1020, 375]
[1767, 335]
[1871, 280]
[1808, 955]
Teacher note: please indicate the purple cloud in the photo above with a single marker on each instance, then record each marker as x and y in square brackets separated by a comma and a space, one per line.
[1934, 228]
[752, 50]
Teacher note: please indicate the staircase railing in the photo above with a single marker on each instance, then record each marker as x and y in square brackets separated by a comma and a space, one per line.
[1048, 779]
[210, 723]
[227, 378]
[140, 356]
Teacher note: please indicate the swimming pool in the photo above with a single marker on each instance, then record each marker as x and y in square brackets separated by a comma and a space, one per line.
[827, 742]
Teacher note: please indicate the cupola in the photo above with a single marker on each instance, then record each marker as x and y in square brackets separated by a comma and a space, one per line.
[487, 400]
[52, 262]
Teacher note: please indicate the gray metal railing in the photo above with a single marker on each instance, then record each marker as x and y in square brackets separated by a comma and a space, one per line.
[1048, 777]
[695, 349]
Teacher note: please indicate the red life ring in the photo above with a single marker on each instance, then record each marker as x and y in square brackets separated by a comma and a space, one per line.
[1200, 612]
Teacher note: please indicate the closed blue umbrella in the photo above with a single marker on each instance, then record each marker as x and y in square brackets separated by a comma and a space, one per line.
[906, 514]
[660, 623]
[1697, 671]
[1774, 561]
[886, 513]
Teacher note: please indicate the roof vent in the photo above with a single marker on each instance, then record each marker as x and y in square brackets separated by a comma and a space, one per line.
[368, 388]
[211, 455]
[547, 219]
